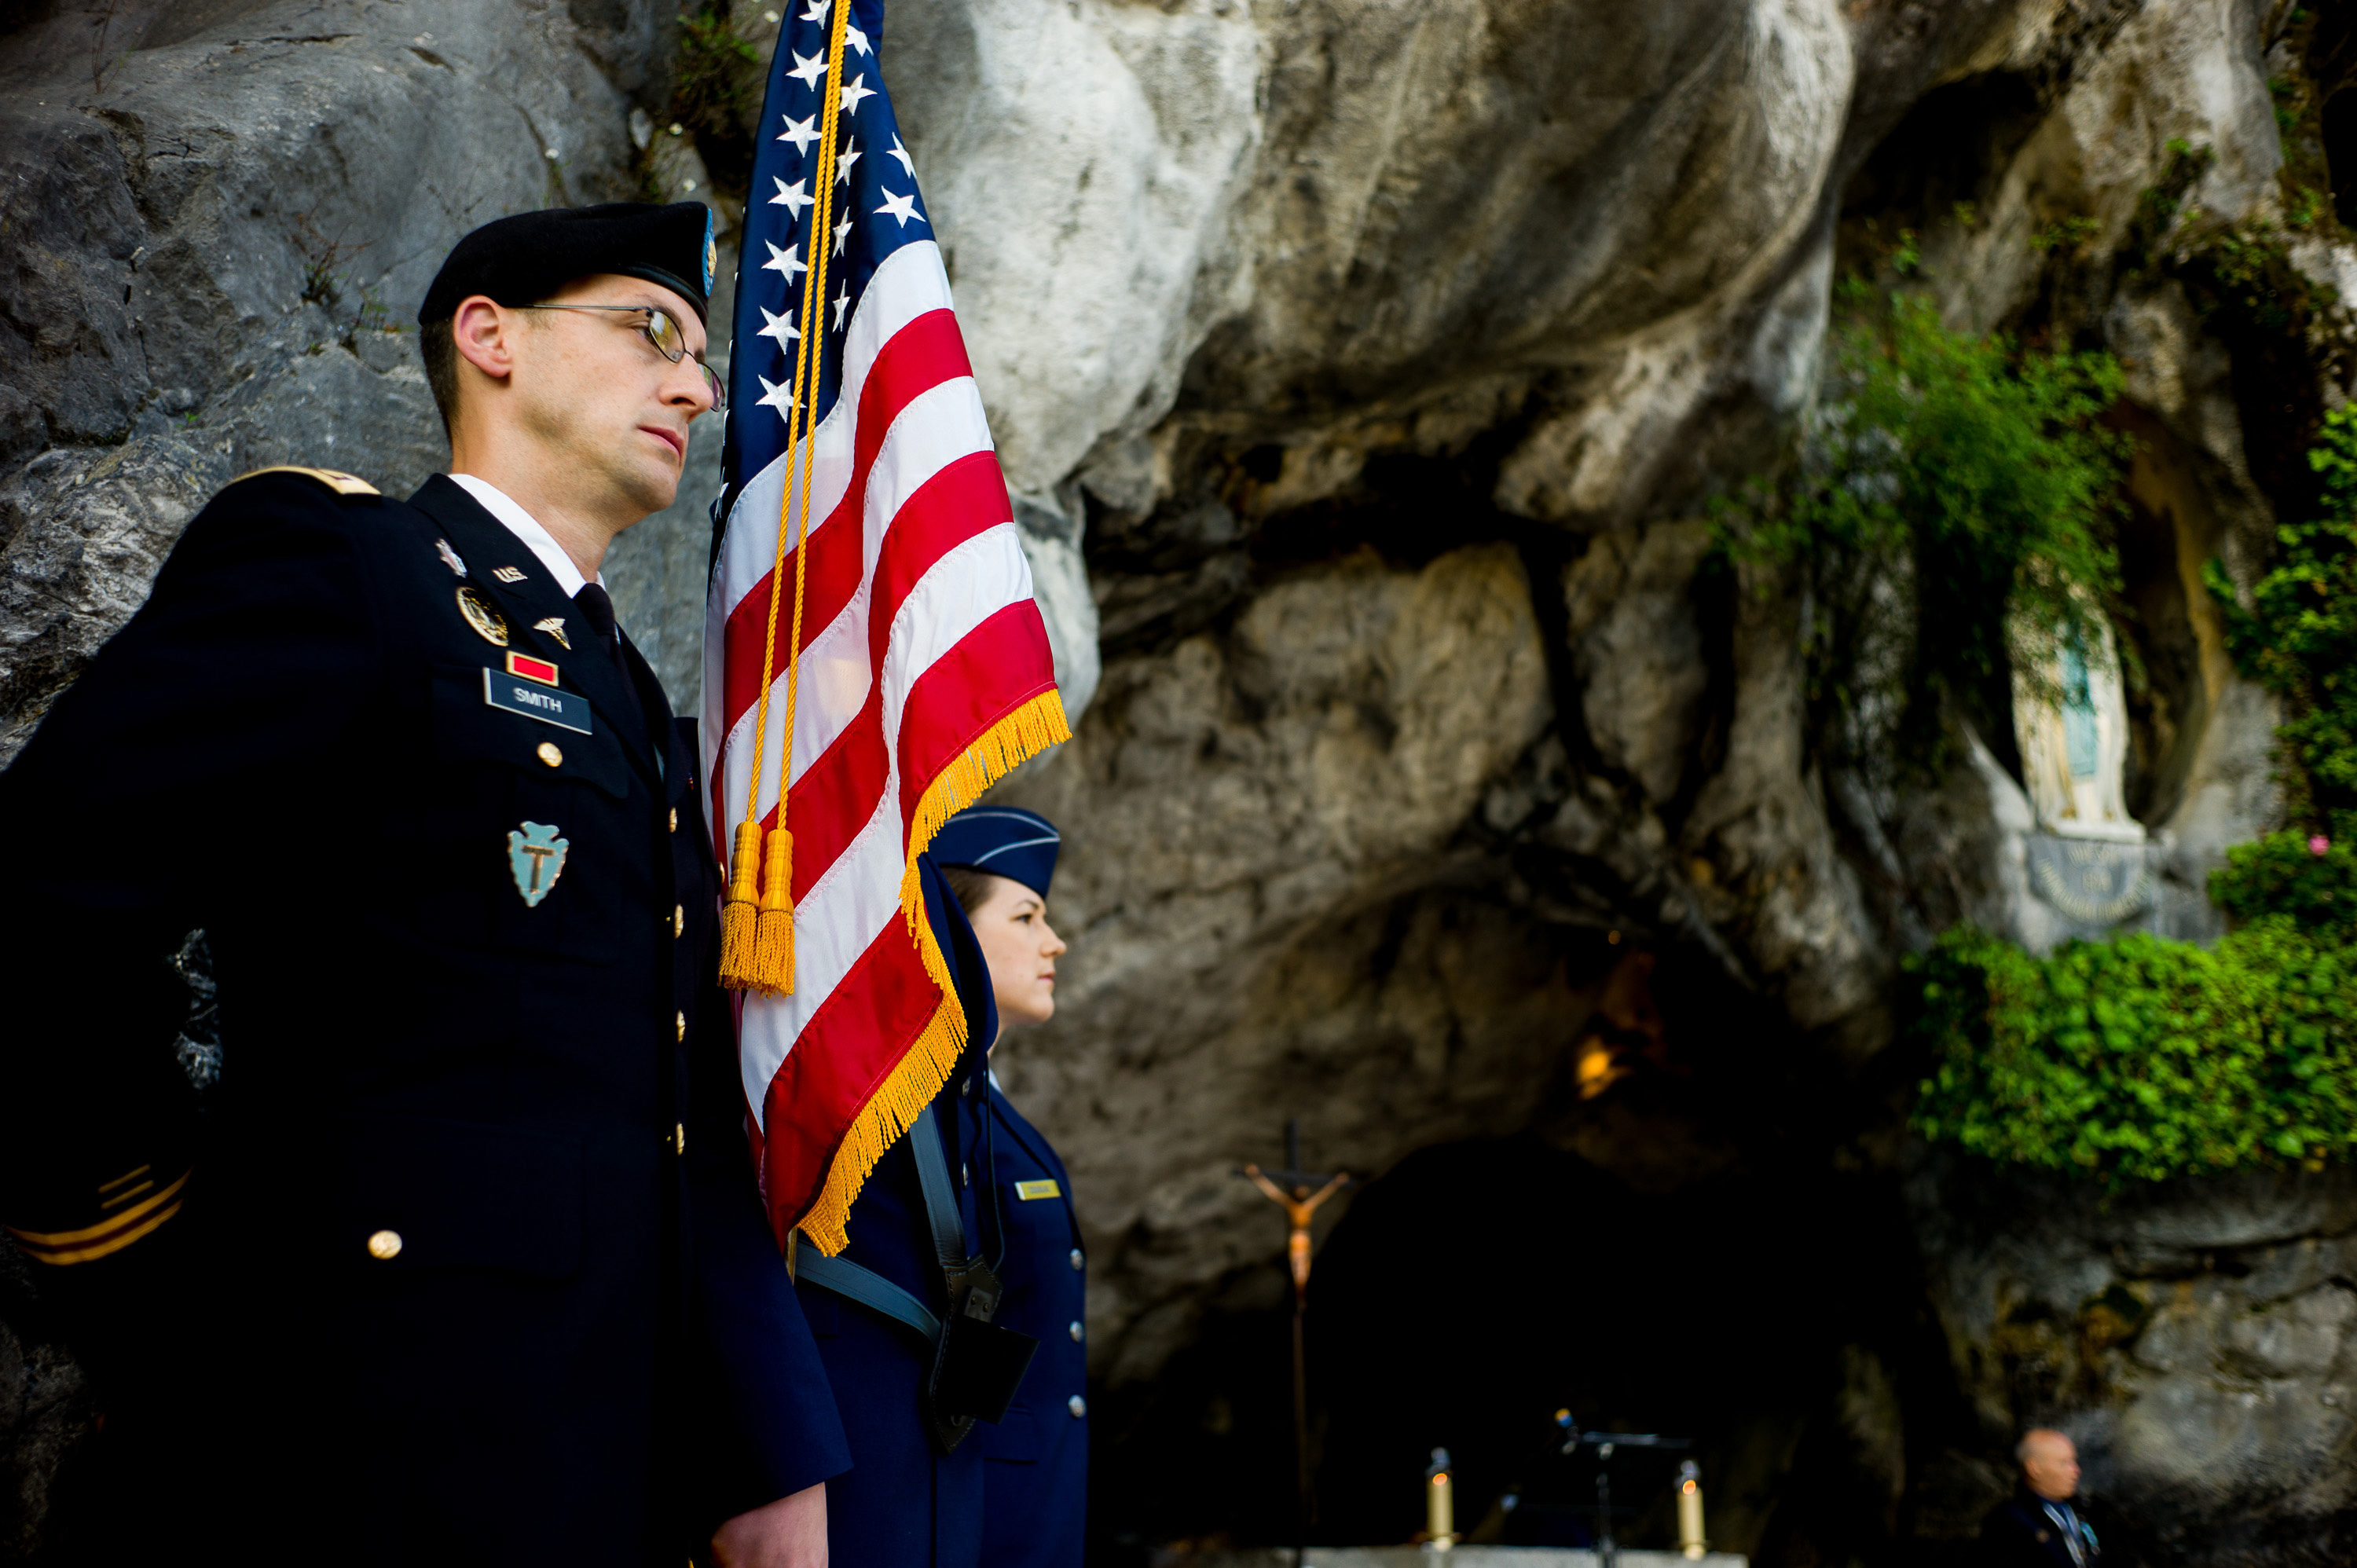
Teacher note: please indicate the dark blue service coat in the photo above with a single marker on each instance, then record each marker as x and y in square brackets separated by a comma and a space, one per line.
[904, 1504]
[1036, 1480]
[462, 1260]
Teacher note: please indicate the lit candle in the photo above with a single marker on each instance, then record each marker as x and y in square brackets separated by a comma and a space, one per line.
[1439, 1502]
[1690, 1510]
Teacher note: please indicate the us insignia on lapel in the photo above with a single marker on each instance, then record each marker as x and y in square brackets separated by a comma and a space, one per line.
[536, 856]
[508, 574]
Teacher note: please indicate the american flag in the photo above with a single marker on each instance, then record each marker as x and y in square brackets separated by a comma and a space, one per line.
[924, 669]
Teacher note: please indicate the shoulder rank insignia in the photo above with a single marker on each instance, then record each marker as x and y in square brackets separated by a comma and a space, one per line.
[488, 623]
[508, 574]
[450, 558]
[536, 856]
[341, 483]
[555, 626]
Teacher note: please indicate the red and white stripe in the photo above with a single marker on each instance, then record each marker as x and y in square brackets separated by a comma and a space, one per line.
[917, 599]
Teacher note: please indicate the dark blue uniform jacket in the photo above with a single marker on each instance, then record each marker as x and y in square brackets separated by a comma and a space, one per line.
[905, 1504]
[584, 1348]
[1036, 1478]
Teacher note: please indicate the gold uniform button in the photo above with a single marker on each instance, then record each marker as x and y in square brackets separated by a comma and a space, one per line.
[679, 919]
[549, 753]
[678, 1137]
[384, 1245]
[683, 1026]
[675, 819]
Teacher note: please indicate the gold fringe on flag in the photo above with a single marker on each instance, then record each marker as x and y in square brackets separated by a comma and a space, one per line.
[1030, 729]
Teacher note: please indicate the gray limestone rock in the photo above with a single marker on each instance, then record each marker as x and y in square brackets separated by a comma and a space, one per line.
[2195, 1340]
[1360, 369]
[216, 243]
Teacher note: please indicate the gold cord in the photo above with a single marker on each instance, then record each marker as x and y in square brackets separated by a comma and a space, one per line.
[756, 945]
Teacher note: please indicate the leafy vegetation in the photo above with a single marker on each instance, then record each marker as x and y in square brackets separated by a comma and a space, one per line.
[2143, 1058]
[716, 93]
[2298, 639]
[2306, 877]
[1955, 494]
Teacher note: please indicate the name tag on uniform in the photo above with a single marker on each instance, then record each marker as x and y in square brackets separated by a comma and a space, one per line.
[566, 710]
[1030, 1189]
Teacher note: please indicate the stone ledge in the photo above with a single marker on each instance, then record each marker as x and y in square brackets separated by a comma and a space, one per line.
[1463, 1557]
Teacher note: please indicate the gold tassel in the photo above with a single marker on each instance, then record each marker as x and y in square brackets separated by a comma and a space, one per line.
[737, 916]
[773, 948]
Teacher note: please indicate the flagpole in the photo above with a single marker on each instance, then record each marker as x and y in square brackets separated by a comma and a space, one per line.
[757, 937]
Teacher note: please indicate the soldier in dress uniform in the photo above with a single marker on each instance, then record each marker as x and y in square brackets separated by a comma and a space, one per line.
[462, 1260]
[998, 861]
[925, 1490]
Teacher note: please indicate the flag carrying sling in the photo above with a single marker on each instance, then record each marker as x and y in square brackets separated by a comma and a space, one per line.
[873, 658]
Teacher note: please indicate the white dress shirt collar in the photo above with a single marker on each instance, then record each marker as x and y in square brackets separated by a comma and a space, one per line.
[522, 523]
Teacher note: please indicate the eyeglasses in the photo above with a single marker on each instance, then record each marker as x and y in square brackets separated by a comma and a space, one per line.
[664, 333]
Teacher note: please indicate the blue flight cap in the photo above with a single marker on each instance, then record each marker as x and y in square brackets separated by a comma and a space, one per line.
[1005, 841]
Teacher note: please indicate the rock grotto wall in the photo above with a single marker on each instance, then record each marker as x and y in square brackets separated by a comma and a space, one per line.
[1362, 369]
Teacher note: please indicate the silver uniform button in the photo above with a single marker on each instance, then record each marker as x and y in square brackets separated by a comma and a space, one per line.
[966, 1174]
[1076, 1405]
[1076, 1260]
[1076, 1331]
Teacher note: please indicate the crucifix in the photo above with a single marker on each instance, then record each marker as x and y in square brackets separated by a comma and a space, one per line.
[1298, 1193]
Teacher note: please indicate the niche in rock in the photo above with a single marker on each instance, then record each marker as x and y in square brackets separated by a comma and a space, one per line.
[1949, 148]
[1479, 1287]
[2166, 530]
[2330, 67]
[2339, 126]
[1665, 1229]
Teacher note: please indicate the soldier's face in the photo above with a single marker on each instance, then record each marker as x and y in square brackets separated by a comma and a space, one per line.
[610, 408]
[1021, 949]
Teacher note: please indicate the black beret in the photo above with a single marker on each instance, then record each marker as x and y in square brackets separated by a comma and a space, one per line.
[525, 259]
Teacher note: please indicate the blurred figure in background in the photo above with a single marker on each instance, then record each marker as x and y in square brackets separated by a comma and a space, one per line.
[2038, 1526]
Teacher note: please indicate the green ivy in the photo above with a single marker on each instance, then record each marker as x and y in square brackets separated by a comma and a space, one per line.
[2308, 877]
[2141, 1059]
[2298, 639]
[715, 81]
[1980, 465]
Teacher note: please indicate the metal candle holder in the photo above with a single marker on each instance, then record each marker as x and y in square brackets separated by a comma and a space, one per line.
[1605, 1444]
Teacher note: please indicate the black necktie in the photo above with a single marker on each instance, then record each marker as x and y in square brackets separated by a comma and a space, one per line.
[597, 609]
